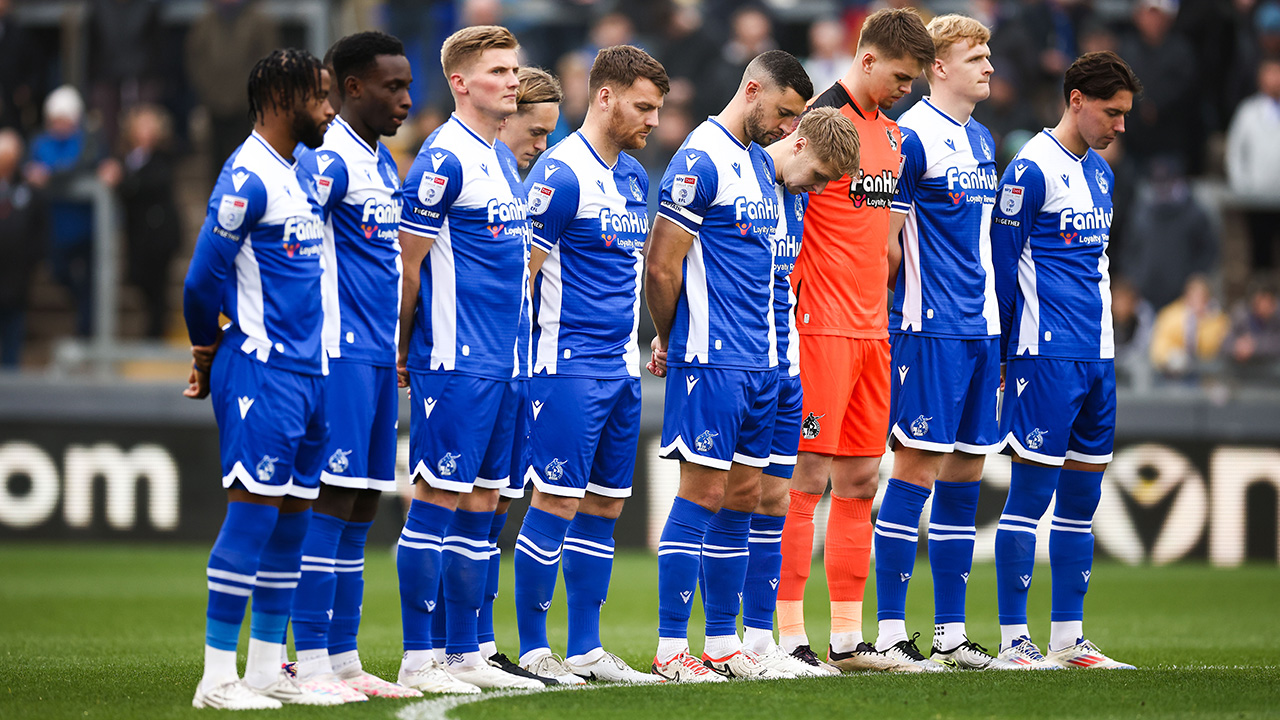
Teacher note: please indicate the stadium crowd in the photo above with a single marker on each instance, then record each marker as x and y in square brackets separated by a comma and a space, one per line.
[160, 104]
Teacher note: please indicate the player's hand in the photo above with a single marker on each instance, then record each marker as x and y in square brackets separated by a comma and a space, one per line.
[658, 361]
[1001, 377]
[202, 362]
[402, 373]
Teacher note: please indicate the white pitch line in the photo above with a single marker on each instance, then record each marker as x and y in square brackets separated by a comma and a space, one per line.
[438, 708]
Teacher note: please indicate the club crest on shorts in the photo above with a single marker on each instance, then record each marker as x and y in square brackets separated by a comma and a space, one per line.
[338, 461]
[554, 470]
[266, 468]
[1035, 439]
[448, 464]
[920, 426]
[811, 428]
[705, 441]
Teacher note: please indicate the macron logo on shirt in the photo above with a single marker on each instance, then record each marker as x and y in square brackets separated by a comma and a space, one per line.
[437, 160]
[237, 180]
[324, 161]
[1017, 172]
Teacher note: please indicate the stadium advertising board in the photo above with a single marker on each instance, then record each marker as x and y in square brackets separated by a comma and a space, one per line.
[119, 481]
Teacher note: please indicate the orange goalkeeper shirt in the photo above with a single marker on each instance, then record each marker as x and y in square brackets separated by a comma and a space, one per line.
[840, 273]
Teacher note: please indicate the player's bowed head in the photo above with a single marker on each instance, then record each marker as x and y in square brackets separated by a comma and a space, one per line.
[823, 148]
[627, 88]
[1099, 88]
[893, 49]
[769, 100]
[537, 112]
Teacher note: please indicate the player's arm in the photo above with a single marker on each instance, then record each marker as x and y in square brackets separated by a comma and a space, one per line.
[553, 199]
[237, 203]
[688, 189]
[896, 221]
[913, 167]
[433, 183]
[1018, 203]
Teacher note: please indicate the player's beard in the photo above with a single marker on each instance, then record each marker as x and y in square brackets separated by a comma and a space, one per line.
[306, 130]
[623, 134]
[756, 131]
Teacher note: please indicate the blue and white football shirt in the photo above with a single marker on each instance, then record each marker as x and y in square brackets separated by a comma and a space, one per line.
[258, 261]
[786, 246]
[723, 192]
[590, 218]
[1050, 230]
[359, 192]
[947, 189]
[466, 196]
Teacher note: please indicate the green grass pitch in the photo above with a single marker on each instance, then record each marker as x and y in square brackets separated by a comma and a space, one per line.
[116, 632]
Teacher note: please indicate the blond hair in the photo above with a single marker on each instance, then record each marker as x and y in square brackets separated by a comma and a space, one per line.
[833, 137]
[537, 86]
[953, 29]
[464, 47]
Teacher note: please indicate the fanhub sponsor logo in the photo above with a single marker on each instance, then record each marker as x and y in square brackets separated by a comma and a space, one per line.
[627, 222]
[301, 236]
[786, 248]
[505, 212]
[381, 213]
[744, 209]
[874, 191]
[972, 180]
[1095, 219]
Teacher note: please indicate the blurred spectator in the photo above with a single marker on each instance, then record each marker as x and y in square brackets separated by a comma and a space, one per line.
[751, 34]
[21, 66]
[144, 180]
[573, 72]
[687, 53]
[829, 56]
[222, 47]
[1133, 320]
[1189, 331]
[63, 153]
[611, 29]
[1169, 236]
[1257, 36]
[1255, 327]
[1039, 38]
[1123, 192]
[1166, 118]
[1005, 112]
[1253, 161]
[125, 51]
[22, 241]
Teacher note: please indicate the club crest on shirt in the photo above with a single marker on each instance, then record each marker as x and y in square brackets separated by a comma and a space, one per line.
[986, 149]
[431, 189]
[554, 470]
[683, 188]
[1103, 185]
[634, 186]
[920, 426]
[811, 428]
[799, 209]
[338, 462]
[893, 141]
[231, 211]
[1011, 199]
[705, 441]
[540, 198]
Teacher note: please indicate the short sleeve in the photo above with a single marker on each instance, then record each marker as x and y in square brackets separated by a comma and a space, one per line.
[433, 183]
[553, 197]
[238, 201]
[688, 189]
[913, 167]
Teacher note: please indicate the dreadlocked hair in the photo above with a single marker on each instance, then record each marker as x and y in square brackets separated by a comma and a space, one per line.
[281, 79]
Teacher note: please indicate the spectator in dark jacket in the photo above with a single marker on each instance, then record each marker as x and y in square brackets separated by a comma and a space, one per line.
[144, 179]
[22, 240]
[1255, 328]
